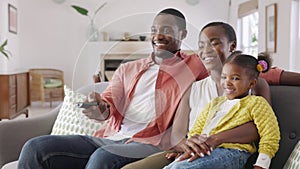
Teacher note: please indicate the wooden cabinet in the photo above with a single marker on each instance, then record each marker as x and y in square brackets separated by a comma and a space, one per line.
[14, 97]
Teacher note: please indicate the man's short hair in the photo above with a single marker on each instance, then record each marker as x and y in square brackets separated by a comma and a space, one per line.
[179, 16]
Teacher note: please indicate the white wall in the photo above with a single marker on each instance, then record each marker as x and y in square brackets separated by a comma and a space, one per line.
[295, 36]
[54, 35]
[13, 39]
[282, 56]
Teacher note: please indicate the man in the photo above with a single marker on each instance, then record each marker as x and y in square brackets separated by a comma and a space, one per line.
[140, 102]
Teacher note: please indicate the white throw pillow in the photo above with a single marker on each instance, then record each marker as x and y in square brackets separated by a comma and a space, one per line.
[293, 161]
[70, 119]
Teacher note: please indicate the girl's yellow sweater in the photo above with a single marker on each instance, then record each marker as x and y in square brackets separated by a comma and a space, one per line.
[250, 108]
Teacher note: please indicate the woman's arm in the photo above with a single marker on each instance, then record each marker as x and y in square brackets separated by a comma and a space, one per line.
[243, 134]
[262, 88]
[197, 146]
[181, 121]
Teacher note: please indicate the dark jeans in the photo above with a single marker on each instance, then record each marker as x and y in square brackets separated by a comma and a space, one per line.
[220, 158]
[78, 152]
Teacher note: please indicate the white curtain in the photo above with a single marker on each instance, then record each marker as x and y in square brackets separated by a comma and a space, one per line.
[295, 36]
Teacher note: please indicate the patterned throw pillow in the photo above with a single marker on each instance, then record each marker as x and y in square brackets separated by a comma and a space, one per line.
[294, 160]
[70, 119]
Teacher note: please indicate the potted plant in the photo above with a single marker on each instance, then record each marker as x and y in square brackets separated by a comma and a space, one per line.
[3, 50]
[93, 33]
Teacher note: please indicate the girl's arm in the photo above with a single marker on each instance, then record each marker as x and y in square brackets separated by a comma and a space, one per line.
[268, 129]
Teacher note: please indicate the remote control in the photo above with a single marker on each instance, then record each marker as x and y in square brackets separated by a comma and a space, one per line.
[86, 105]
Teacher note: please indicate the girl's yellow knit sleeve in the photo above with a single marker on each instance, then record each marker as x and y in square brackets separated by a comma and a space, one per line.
[267, 126]
[200, 122]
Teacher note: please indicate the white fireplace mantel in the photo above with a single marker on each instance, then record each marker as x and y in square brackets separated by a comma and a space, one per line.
[112, 53]
[120, 47]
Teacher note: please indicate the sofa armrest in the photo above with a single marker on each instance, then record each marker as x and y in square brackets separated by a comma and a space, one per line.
[14, 133]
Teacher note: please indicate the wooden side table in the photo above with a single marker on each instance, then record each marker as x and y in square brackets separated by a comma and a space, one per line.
[14, 98]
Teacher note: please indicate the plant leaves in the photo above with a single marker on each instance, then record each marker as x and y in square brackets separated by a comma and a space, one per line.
[81, 10]
[2, 49]
[4, 44]
[100, 8]
[4, 53]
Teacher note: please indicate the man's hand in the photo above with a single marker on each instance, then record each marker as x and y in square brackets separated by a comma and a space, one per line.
[100, 112]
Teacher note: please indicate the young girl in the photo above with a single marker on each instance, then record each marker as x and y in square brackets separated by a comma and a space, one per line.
[239, 74]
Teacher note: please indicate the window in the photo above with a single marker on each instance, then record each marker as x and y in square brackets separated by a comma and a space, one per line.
[248, 27]
[295, 35]
[249, 34]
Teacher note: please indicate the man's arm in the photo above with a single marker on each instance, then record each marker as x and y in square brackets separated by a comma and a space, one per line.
[290, 78]
[100, 112]
[108, 99]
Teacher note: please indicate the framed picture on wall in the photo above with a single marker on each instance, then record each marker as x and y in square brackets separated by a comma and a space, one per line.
[12, 19]
[271, 27]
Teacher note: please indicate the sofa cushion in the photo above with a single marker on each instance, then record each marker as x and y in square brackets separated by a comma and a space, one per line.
[71, 120]
[293, 161]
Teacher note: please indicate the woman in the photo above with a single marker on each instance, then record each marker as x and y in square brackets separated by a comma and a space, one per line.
[236, 107]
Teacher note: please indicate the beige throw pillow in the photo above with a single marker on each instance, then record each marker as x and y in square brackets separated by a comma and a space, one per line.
[71, 120]
[293, 161]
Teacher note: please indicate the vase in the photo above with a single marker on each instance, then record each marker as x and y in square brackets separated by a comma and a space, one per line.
[92, 33]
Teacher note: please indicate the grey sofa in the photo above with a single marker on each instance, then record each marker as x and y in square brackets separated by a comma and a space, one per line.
[14, 133]
[285, 101]
[286, 105]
